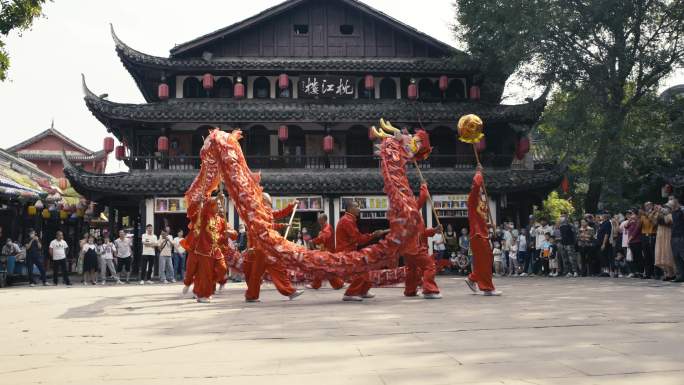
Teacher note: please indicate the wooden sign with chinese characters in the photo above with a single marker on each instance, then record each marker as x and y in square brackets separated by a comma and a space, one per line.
[326, 87]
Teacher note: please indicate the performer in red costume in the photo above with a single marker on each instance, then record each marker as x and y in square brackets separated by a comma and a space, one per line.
[257, 262]
[325, 241]
[207, 246]
[349, 238]
[419, 263]
[479, 240]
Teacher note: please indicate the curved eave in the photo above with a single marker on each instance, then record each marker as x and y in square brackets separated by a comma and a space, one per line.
[298, 110]
[136, 61]
[323, 181]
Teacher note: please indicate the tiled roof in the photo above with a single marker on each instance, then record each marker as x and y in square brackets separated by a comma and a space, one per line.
[52, 131]
[306, 181]
[300, 110]
[57, 155]
[284, 6]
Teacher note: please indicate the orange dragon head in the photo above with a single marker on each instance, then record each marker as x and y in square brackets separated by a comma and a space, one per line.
[417, 145]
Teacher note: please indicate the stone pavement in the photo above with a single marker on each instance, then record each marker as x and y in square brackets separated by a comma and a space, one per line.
[542, 331]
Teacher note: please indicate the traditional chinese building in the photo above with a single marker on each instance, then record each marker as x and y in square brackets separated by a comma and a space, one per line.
[304, 80]
[45, 151]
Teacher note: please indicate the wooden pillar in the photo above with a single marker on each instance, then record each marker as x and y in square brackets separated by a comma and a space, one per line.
[112, 221]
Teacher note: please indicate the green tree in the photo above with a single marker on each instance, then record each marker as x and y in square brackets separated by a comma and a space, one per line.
[650, 145]
[552, 208]
[615, 52]
[15, 15]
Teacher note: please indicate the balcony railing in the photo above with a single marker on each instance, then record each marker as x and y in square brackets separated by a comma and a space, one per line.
[319, 162]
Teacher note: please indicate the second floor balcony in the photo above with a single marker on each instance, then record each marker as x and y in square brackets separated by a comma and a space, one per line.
[459, 161]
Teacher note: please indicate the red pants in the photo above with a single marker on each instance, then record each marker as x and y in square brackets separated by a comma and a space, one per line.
[254, 272]
[335, 282]
[359, 285]
[190, 269]
[209, 271]
[482, 263]
[420, 267]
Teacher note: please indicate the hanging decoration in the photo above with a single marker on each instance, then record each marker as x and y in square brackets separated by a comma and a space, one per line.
[443, 83]
[163, 144]
[163, 91]
[328, 144]
[108, 144]
[208, 81]
[283, 133]
[412, 91]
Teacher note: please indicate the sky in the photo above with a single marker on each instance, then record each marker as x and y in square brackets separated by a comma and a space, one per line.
[44, 80]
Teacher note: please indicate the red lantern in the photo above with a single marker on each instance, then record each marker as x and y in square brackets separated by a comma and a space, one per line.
[163, 91]
[239, 91]
[565, 184]
[282, 133]
[63, 184]
[412, 91]
[208, 81]
[475, 92]
[163, 144]
[120, 152]
[369, 82]
[481, 145]
[524, 145]
[443, 83]
[283, 82]
[328, 144]
[108, 144]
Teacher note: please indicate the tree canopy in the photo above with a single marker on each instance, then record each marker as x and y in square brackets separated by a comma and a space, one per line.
[607, 56]
[15, 15]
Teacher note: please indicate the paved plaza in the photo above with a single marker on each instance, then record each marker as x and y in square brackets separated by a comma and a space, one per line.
[543, 331]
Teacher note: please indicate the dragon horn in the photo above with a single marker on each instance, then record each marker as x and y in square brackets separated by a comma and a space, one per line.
[379, 133]
[387, 126]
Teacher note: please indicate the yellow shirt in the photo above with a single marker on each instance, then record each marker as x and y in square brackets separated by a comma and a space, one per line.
[648, 225]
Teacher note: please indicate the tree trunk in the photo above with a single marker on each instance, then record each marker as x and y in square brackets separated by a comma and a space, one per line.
[604, 159]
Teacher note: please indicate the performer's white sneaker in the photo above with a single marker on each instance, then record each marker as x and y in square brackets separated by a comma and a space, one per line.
[142, 282]
[203, 300]
[296, 294]
[368, 295]
[308, 286]
[491, 293]
[185, 290]
[352, 298]
[471, 285]
[432, 296]
[221, 287]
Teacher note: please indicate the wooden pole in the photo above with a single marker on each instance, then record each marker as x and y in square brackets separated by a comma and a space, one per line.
[484, 188]
[422, 180]
[289, 224]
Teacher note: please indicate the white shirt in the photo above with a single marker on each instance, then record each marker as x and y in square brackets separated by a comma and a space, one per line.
[438, 242]
[166, 246]
[177, 245]
[149, 242]
[625, 233]
[507, 237]
[539, 235]
[122, 247]
[522, 243]
[108, 250]
[497, 255]
[58, 249]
